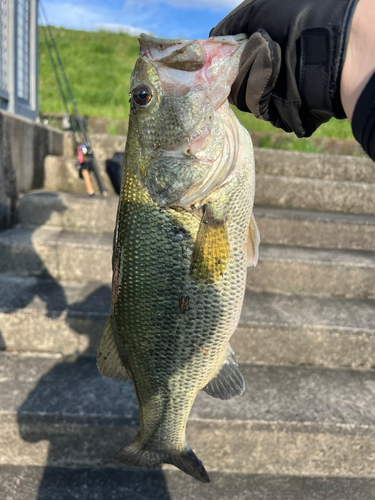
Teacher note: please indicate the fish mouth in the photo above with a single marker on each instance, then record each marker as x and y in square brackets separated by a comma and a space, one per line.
[188, 55]
[202, 62]
[184, 171]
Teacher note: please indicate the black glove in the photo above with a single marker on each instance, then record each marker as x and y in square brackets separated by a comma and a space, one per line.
[291, 67]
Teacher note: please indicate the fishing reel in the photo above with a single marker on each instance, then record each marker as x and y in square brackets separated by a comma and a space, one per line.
[83, 161]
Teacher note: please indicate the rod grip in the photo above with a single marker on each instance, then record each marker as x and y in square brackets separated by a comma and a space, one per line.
[86, 178]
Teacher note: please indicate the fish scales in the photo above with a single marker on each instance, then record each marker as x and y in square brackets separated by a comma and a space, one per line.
[179, 267]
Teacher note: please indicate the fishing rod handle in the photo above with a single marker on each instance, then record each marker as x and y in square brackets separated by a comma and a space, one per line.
[86, 178]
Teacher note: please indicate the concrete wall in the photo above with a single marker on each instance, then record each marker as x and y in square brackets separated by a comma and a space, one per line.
[23, 147]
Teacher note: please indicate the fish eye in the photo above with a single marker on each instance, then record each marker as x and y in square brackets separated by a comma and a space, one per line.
[142, 95]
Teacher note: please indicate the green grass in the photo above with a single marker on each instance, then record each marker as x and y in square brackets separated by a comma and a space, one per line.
[276, 138]
[99, 65]
[339, 129]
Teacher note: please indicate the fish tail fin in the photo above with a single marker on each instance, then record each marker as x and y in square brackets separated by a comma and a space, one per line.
[140, 455]
[188, 462]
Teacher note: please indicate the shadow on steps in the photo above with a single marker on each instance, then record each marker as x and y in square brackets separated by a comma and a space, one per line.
[72, 392]
[69, 408]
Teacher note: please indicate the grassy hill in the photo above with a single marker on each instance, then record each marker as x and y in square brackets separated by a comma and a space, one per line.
[98, 66]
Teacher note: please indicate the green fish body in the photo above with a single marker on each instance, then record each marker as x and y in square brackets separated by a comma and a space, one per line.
[183, 240]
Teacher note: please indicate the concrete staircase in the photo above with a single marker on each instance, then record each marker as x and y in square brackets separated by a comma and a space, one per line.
[305, 427]
[60, 173]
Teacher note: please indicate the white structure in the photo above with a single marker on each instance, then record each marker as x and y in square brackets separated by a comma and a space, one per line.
[19, 57]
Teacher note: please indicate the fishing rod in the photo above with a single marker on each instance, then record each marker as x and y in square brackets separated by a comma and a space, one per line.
[82, 149]
[80, 162]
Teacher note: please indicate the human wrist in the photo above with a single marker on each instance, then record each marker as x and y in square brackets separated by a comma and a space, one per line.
[359, 64]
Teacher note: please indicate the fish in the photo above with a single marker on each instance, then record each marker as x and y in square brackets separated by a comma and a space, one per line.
[184, 236]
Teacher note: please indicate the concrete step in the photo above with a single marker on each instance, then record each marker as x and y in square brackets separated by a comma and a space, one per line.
[60, 174]
[68, 317]
[69, 255]
[315, 194]
[304, 271]
[290, 421]
[68, 483]
[44, 315]
[306, 330]
[103, 145]
[268, 161]
[68, 211]
[315, 166]
[58, 254]
[277, 226]
[315, 229]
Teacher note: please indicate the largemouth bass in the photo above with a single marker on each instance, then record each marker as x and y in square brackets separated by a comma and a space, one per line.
[183, 240]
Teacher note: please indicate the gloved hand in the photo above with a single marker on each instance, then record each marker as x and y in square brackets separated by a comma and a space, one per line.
[290, 69]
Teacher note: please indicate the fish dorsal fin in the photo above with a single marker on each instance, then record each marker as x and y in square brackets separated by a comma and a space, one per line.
[252, 243]
[108, 359]
[229, 381]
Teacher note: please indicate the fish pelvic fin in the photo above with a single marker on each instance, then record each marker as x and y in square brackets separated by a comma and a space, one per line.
[252, 243]
[211, 250]
[229, 382]
[140, 455]
[108, 358]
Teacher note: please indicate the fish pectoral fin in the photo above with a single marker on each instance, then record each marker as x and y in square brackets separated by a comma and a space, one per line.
[139, 454]
[252, 242]
[108, 359]
[229, 381]
[211, 250]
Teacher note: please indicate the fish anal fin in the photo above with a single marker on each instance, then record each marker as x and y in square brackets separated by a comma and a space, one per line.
[229, 382]
[108, 359]
[252, 242]
[211, 250]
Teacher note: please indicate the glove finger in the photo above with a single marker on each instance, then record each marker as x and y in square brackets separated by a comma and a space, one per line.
[253, 48]
[266, 95]
[259, 70]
